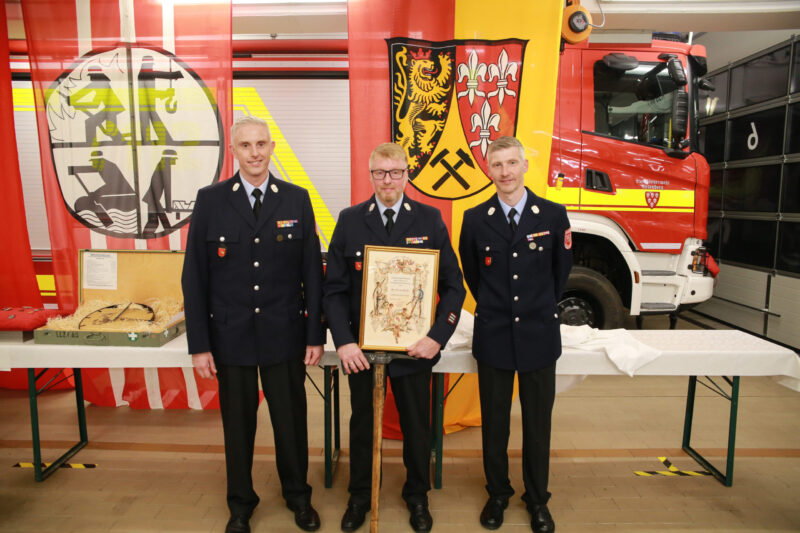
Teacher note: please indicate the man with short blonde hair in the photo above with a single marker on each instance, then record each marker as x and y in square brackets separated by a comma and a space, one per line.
[248, 120]
[390, 219]
[391, 151]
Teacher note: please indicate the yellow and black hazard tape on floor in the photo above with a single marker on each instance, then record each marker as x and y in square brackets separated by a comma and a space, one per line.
[672, 470]
[78, 466]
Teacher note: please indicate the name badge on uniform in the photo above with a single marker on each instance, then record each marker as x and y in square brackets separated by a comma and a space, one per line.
[286, 223]
[222, 250]
[416, 240]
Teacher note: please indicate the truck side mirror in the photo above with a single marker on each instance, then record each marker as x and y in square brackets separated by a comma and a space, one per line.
[620, 62]
[706, 85]
[680, 121]
[675, 69]
[676, 72]
[680, 115]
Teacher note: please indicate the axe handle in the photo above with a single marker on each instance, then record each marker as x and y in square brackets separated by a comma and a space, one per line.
[378, 399]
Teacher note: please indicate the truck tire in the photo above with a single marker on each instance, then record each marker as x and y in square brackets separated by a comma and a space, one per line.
[589, 298]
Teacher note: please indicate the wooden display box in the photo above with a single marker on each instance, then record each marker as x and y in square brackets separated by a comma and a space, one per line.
[140, 275]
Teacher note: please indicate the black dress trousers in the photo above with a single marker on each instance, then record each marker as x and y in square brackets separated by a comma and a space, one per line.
[412, 396]
[284, 390]
[537, 391]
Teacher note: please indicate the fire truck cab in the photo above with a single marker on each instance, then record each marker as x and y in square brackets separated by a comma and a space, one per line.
[624, 163]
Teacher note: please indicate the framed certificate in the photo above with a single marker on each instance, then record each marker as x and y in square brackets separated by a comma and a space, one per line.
[398, 296]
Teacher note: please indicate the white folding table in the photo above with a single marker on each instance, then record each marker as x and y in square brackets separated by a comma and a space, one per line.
[726, 353]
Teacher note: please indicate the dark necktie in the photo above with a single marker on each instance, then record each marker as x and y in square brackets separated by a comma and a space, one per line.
[389, 220]
[257, 204]
[511, 222]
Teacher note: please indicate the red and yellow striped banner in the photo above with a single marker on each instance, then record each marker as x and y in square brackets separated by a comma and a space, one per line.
[444, 79]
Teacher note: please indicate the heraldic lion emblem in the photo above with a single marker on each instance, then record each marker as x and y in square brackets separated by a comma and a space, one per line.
[421, 89]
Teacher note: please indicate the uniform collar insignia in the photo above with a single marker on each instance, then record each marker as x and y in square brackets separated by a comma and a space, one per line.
[236, 186]
[274, 188]
[407, 206]
[535, 209]
[490, 212]
[372, 207]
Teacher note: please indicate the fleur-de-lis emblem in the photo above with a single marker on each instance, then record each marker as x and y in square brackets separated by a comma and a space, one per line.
[472, 70]
[484, 122]
[502, 71]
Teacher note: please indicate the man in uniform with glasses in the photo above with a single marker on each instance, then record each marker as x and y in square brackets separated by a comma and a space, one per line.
[389, 219]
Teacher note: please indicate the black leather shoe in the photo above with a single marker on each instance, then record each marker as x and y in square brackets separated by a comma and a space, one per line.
[305, 517]
[238, 524]
[354, 516]
[492, 514]
[541, 521]
[420, 519]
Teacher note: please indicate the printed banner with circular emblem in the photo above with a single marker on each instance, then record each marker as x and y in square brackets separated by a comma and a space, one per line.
[132, 101]
[134, 133]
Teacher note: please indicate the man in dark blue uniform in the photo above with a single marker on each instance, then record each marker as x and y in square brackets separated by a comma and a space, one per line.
[516, 253]
[389, 219]
[252, 286]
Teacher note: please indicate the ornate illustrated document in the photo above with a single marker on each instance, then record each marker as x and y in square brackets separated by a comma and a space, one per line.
[398, 297]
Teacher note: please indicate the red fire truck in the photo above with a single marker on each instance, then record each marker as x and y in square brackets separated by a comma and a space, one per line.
[624, 161]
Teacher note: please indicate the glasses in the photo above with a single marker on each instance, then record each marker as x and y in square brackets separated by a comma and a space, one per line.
[395, 173]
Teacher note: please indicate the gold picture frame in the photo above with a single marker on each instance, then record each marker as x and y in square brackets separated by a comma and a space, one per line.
[398, 296]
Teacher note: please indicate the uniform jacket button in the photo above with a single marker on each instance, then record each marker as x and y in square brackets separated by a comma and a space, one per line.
[515, 254]
[256, 240]
[256, 264]
[516, 319]
[257, 310]
[515, 276]
[256, 287]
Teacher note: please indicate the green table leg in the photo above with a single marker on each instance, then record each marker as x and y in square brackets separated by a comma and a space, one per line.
[326, 387]
[337, 434]
[732, 431]
[727, 477]
[39, 473]
[687, 420]
[332, 431]
[37, 450]
[438, 428]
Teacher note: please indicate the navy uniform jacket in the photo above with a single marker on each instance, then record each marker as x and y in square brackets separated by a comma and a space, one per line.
[247, 284]
[362, 224]
[516, 281]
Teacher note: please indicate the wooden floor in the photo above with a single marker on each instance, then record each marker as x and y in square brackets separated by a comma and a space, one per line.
[164, 470]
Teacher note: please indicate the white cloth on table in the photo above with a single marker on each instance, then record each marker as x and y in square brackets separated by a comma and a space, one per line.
[627, 353]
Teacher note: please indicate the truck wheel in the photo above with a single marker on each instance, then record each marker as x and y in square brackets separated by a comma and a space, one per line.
[589, 298]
